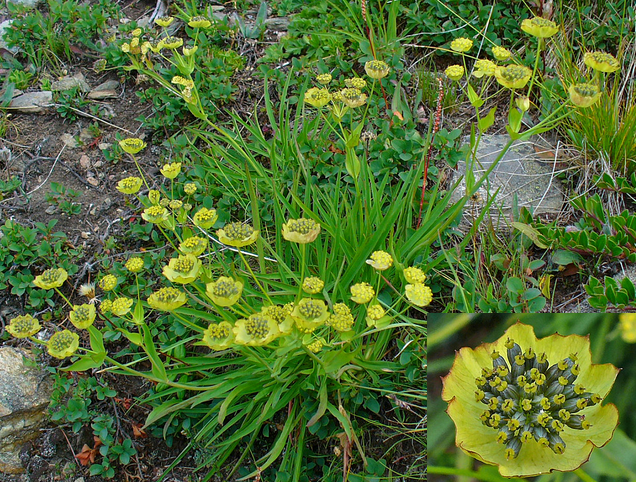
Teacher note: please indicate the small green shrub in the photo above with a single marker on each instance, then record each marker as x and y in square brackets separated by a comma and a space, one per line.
[51, 35]
[25, 252]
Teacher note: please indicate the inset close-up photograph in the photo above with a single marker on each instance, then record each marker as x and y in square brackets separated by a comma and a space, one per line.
[532, 397]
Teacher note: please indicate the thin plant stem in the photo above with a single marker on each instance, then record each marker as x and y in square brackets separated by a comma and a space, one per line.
[249, 268]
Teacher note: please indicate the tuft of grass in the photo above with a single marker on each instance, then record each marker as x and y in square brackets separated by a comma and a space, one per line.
[607, 129]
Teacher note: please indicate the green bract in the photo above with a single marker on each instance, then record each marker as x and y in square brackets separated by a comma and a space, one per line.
[535, 410]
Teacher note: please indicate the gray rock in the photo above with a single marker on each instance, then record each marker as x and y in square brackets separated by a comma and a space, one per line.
[521, 172]
[105, 90]
[108, 85]
[4, 26]
[32, 102]
[25, 3]
[24, 397]
[277, 23]
[68, 83]
[102, 94]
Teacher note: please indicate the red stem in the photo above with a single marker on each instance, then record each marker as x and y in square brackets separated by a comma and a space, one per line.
[438, 117]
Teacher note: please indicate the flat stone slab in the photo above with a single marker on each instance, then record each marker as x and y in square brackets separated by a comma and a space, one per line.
[525, 170]
[32, 102]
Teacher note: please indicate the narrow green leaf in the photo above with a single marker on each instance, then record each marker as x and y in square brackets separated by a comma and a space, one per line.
[158, 369]
[322, 405]
[531, 232]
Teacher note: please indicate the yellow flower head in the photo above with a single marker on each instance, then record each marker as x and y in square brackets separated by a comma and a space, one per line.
[301, 230]
[281, 315]
[132, 145]
[125, 47]
[362, 293]
[313, 285]
[136, 32]
[205, 218]
[461, 44]
[167, 299]
[194, 245]
[237, 235]
[106, 306]
[134, 43]
[175, 204]
[190, 188]
[317, 97]
[353, 97]
[225, 291]
[189, 51]
[539, 27]
[513, 76]
[121, 306]
[183, 269]
[146, 47]
[374, 313]
[171, 170]
[323, 79]
[309, 314]
[414, 275]
[99, 65]
[134, 265]
[156, 48]
[376, 69]
[341, 319]
[530, 410]
[164, 21]
[601, 61]
[154, 196]
[356, 83]
[199, 22]
[51, 278]
[155, 214]
[627, 325]
[218, 336]
[484, 67]
[171, 42]
[178, 80]
[23, 326]
[316, 345]
[108, 282]
[380, 260]
[63, 344]
[129, 185]
[419, 294]
[454, 72]
[501, 53]
[584, 95]
[257, 330]
[83, 316]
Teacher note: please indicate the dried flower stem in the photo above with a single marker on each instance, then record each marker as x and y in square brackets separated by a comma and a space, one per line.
[438, 118]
